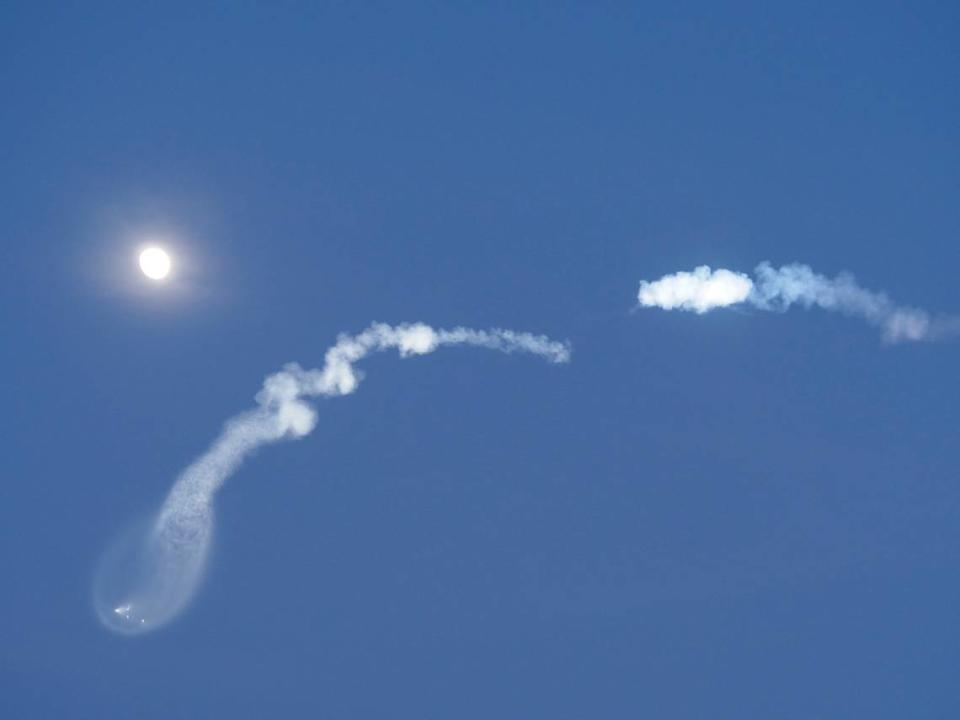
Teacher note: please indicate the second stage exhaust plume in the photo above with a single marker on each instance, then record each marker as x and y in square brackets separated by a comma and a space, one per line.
[780, 288]
[151, 574]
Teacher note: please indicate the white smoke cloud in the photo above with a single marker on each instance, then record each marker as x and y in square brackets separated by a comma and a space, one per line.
[779, 288]
[697, 291]
[147, 580]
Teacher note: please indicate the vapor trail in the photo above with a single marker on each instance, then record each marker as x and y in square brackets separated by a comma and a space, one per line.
[779, 288]
[147, 579]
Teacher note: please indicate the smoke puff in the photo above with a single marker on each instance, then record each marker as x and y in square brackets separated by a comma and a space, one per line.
[697, 291]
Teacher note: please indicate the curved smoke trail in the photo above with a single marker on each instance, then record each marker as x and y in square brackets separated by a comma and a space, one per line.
[779, 288]
[148, 578]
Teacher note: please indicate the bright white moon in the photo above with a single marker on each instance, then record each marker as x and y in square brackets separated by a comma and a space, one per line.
[155, 263]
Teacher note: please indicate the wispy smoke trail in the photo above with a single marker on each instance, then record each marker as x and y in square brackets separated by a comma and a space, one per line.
[779, 288]
[146, 582]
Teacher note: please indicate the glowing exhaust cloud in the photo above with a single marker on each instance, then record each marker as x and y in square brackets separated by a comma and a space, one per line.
[697, 291]
[779, 288]
[148, 576]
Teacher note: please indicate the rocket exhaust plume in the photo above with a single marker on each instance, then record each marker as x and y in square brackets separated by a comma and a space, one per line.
[149, 575]
[779, 288]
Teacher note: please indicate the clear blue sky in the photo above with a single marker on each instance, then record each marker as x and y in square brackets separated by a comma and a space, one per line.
[736, 515]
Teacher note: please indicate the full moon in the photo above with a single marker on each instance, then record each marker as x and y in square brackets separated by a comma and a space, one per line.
[155, 263]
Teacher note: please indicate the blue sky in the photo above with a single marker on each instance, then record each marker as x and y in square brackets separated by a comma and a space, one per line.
[740, 514]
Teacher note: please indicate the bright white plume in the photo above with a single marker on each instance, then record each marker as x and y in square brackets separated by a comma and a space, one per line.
[698, 291]
[779, 288]
[148, 578]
